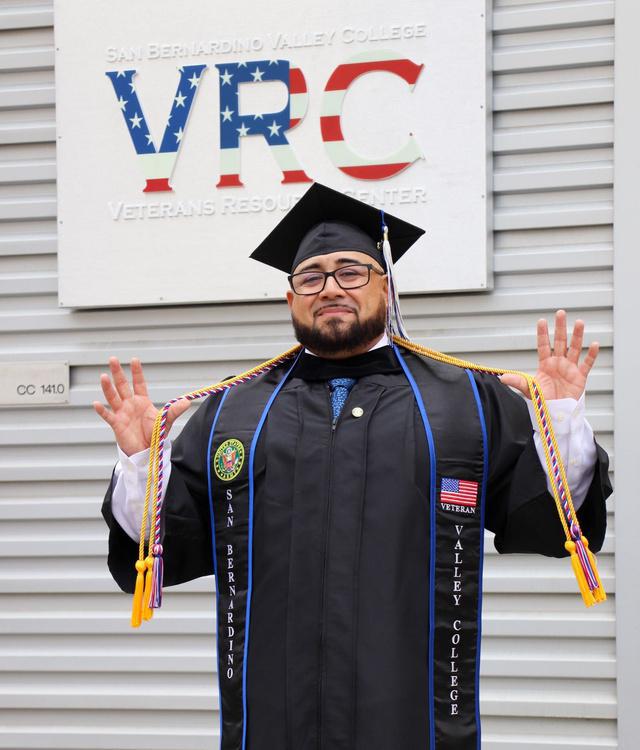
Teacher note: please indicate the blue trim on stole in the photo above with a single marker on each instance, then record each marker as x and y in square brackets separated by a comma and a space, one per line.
[432, 541]
[213, 540]
[483, 494]
[252, 453]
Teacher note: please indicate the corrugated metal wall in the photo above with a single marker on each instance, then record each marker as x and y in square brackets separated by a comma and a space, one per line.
[73, 675]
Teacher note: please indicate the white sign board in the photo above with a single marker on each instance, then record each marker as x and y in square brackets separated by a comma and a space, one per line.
[185, 133]
[27, 383]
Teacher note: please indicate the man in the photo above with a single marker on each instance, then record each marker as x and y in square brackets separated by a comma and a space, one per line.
[345, 495]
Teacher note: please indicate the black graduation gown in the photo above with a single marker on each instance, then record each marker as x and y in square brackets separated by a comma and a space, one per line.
[339, 650]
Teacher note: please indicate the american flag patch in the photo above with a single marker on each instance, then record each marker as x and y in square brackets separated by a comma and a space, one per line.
[458, 492]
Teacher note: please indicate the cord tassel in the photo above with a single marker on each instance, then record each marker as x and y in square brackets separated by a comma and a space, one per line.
[136, 610]
[587, 596]
[585, 564]
[147, 612]
[157, 574]
[598, 592]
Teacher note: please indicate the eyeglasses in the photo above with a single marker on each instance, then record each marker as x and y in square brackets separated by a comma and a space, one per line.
[347, 277]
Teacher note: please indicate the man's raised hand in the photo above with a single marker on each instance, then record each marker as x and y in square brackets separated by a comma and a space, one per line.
[132, 412]
[560, 372]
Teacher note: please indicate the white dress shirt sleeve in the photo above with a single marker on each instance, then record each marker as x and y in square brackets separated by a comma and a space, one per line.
[130, 484]
[574, 437]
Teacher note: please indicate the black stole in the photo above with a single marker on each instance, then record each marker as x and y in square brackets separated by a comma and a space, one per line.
[450, 407]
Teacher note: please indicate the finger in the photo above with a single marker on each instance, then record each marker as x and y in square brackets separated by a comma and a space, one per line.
[544, 345]
[590, 358]
[175, 410]
[137, 377]
[560, 334]
[110, 393]
[515, 381]
[179, 407]
[102, 411]
[119, 378]
[575, 347]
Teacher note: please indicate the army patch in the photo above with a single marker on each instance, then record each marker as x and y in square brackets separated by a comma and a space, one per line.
[228, 460]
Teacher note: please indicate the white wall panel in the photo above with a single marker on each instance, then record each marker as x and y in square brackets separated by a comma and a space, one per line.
[73, 675]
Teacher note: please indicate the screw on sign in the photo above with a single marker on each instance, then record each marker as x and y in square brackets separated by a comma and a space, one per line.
[158, 162]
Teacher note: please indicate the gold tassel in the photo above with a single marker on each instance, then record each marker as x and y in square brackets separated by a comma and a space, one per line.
[147, 612]
[587, 595]
[136, 610]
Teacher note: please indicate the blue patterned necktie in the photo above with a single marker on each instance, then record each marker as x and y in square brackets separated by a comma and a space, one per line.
[340, 388]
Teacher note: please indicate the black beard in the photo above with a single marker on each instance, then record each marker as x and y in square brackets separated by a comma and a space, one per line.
[337, 337]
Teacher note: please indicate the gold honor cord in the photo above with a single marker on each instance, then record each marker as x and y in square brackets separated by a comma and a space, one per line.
[583, 560]
[148, 587]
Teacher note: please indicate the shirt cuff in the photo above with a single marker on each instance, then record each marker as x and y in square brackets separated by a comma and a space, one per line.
[129, 488]
[133, 468]
[565, 413]
[135, 459]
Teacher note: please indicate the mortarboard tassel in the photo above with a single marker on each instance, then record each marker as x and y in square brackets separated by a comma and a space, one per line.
[395, 323]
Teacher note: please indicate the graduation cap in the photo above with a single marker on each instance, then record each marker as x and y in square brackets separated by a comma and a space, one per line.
[326, 221]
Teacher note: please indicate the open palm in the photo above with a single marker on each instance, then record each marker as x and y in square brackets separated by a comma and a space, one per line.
[132, 412]
[560, 373]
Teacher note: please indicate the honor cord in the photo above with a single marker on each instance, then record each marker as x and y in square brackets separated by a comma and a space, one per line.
[583, 560]
[148, 589]
[149, 567]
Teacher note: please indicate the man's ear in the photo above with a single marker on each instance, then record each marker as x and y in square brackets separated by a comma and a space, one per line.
[289, 298]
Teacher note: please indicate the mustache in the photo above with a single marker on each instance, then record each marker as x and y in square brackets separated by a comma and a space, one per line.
[333, 306]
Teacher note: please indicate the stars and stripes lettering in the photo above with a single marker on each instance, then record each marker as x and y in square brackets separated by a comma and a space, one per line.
[335, 91]
[271, 126]
[459, 495]
[157, 163]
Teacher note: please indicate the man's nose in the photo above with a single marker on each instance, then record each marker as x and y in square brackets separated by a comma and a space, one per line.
[331, 288]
